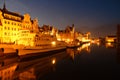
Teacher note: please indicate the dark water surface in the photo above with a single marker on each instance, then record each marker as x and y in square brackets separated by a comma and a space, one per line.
[87, 62]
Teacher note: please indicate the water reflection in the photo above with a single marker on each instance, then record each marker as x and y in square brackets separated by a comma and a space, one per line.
[74, 51]
[106, 44]
[118, 53]
[7, 68]
[85, 47]
[13, 69]
[110, 45]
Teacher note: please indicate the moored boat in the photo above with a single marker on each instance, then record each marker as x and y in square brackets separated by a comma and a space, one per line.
[38, 44]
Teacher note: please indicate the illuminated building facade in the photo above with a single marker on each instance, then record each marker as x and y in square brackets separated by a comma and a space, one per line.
[21, 30]
[86, 37]
[12, 23]
[110, 39]
[49, 30]
[66, 35]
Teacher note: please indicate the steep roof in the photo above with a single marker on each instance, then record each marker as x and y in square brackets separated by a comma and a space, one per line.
[4, 10]
[11, 13]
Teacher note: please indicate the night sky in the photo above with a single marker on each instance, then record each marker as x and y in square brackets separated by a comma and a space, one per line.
[100, 17]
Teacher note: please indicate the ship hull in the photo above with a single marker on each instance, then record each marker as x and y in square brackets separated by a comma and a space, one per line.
[8, 52]
[26, 54]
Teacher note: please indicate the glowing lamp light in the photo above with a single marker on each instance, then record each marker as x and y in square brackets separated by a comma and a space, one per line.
[109, 45]
[53, 43]
[59, 39]
[51, 33]
[110, 40]
[78, 43]
[78, 49]
[98, 43]
[63, 39]
[53, 61]
[68, 40]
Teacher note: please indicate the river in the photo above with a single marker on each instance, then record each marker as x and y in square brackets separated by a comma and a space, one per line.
[90, 61]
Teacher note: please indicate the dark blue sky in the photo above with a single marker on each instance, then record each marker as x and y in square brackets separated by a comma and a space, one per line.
[100, 17]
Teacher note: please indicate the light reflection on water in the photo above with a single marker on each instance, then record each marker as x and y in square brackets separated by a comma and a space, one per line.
[87, 60]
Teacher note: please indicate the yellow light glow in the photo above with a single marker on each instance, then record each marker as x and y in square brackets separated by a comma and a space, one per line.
[68, 40]
[110, 40]
[85, 40]
[53, 61]
[53, 43]
[78, 43]
[59, 39]
[85, 45]
[51, 33]
[92, 41]
[109, 45]
[98, 43]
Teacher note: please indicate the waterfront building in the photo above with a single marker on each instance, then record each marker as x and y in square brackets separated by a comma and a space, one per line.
[86, 37]
[12, 23]
[79, 36]
[49, 30]
[67, 35]
[110, 39]
[22, 30]
[26, 38]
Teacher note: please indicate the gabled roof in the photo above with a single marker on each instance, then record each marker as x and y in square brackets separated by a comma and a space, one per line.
[11, 13]
[4, 10]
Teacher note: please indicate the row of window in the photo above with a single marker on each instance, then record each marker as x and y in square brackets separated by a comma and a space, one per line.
[44, 39]
[12, 23]
[14, 29]
[16, 24]
[24, 34]
[25, 39]
[8, 34]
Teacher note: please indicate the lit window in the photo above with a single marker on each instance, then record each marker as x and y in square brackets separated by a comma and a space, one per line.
[4, 27]
[8, 28]
[5, 22]
[8, 34]
[5, 33]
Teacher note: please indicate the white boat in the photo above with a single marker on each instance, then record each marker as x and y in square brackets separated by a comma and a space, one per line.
[35, 50]
[37, 43]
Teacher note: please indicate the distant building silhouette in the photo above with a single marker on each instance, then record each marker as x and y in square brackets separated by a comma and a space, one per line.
[118, 33]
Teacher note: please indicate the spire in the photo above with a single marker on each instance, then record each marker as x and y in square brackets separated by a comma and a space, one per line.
[4, 6]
